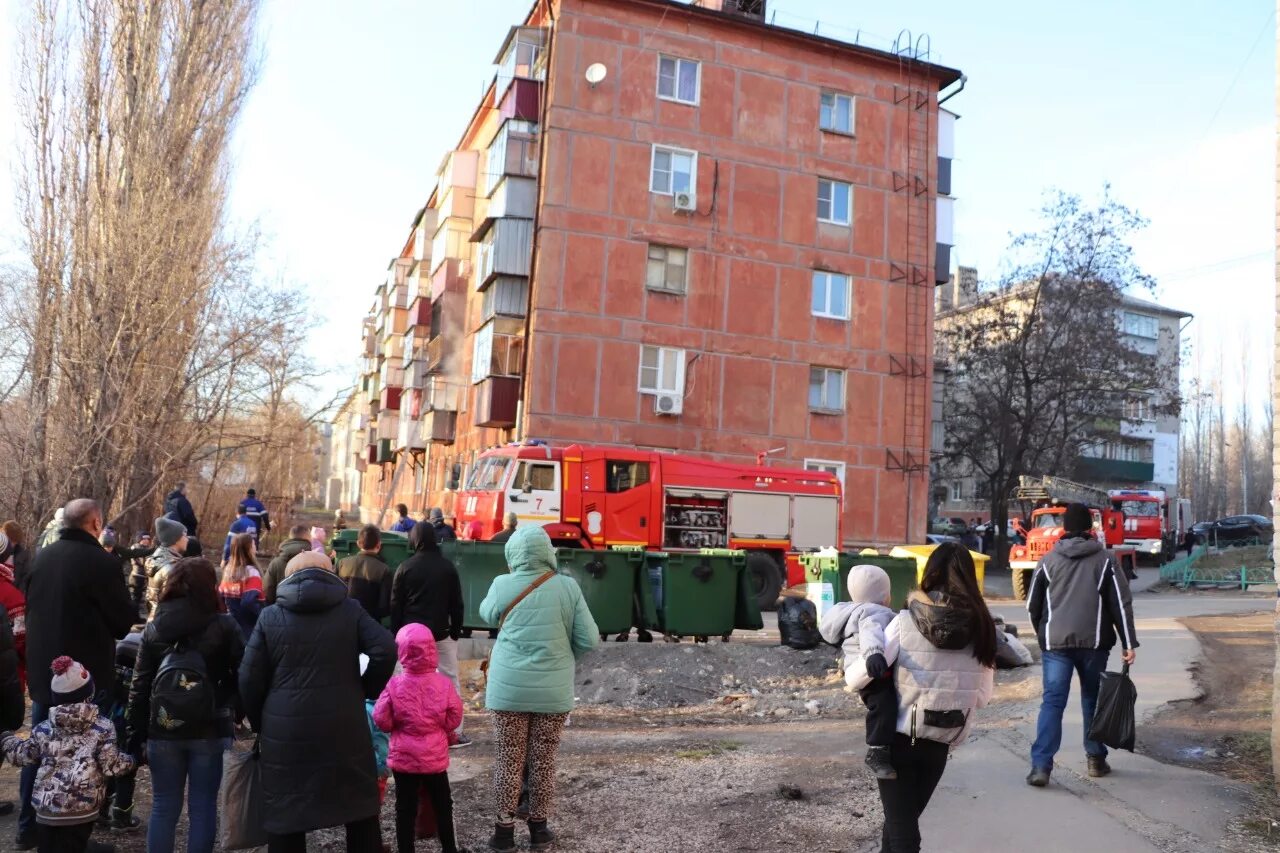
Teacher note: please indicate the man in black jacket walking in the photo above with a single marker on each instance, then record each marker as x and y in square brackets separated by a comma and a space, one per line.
[77, 605]
[299, 540]
[426, 589]
[1078, 603]
[178, 508]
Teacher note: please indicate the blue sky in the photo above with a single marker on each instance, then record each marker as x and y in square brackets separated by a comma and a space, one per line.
[357, 104]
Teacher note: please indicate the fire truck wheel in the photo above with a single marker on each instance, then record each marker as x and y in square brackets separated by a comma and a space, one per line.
[766, 579]
[1021, 583]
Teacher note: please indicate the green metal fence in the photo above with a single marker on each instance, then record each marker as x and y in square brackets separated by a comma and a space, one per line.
[1222, 568]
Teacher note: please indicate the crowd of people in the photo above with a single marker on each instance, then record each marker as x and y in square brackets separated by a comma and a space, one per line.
[300, 656]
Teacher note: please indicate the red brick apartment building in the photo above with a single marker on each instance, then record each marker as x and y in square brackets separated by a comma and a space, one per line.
[676, 226]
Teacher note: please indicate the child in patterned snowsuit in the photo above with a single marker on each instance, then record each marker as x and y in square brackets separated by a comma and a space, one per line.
[76, 751]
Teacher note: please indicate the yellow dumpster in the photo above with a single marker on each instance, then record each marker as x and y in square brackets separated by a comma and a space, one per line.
[920, 553]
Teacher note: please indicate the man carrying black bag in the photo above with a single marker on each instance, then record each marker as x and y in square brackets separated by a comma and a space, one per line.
[1078, 603]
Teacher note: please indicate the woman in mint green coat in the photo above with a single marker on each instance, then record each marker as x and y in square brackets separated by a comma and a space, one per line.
[530, 680]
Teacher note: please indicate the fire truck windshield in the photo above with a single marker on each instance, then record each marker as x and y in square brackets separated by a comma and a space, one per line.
[1050, 519]
[1141, 509]
[488, 474]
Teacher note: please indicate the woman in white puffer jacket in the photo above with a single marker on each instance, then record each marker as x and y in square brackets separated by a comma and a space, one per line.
[944, 645]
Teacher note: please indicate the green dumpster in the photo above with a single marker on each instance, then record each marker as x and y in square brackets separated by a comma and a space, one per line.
[834, 569]
[478, 563]
[395, 546]
[608, 582]
[746, 615]
[698, 594]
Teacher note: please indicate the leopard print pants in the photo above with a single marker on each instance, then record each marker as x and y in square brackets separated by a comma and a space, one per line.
[519, 736]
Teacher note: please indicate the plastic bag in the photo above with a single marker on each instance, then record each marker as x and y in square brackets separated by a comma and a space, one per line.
[798, 623]
[240, 801]
[1010, 651]
[1113, 720]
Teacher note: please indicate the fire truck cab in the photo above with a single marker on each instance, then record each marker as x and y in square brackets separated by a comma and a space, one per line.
[1153, 521]
[600, 497]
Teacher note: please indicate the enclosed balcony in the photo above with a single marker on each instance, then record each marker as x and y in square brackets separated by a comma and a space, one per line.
[438, 427]
[504, 250]
[409, 436]
[522, 56]
[452, 241]
[498, 349]
[512, 197]
[513, 152]
[450, 277]
[496, 402]
[506, 296]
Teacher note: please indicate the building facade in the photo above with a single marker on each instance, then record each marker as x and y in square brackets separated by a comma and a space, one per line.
[677, 227]
[1141, 453]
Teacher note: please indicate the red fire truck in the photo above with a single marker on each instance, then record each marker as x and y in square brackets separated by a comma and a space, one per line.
[598, 497]
[1154, 522]
[1051, 496]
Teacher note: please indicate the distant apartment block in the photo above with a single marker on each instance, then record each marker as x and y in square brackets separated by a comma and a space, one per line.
[673, 226]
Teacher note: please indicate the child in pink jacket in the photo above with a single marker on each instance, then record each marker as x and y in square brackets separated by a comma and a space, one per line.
[420, 710]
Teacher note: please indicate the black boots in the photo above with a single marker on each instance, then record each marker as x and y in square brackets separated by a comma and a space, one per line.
[504, 838]
[879, 762]
[540, 838]
[1038, 777]
[1098, 766]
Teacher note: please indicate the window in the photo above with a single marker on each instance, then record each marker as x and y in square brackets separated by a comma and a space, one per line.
[661, 370]
[674, 170]
[827, 465]
[487, 474]
[830, 295]
[482, 352]
[1141, 325]
[833, 201]
[620, 476]
[1138, 409]
[957, 491]
[668, 268]
[678, 80]
[539, 476]
[826, 389]
[836, 113]
[513, 151]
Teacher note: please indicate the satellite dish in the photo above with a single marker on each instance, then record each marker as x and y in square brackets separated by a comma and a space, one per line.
[596, 72]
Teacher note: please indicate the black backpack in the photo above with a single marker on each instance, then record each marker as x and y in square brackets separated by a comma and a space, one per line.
[183, 700]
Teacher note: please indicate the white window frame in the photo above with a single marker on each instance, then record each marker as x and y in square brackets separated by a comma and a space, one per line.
[674, 97]
[836, 98]
[663, 287]
[674, 152]
[829, 466]
[481, 353]
[957, 491]
[831, 279]
[664, 354]
[821, 406]
[831, 218]
[1140, 324]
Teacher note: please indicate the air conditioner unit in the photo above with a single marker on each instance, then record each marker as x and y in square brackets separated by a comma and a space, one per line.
[668, 404]
[684, 202]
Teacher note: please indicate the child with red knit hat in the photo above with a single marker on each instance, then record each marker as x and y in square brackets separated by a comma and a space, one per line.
[76, 751]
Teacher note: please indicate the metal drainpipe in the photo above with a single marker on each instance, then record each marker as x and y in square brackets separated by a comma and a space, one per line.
[522, 404]
[964, 78]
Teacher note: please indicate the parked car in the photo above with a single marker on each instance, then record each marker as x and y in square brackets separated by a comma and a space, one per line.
[938, 539]
[1240, 528]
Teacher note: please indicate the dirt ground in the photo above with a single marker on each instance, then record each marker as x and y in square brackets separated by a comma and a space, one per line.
[724, 746]
[1227, 729]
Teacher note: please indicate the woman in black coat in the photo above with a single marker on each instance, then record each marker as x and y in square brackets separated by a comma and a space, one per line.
[303, 693]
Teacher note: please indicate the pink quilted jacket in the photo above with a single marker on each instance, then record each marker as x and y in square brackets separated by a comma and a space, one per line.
[419, 709]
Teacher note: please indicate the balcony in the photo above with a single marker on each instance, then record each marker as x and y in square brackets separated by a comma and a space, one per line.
[504, 250]
[390, 399]
[458, 169]
[506, 296]
[438, 427]
[1138, 429]
[450, 277]
[452, 240]
[513, 197]
[522, 100]
[435, 352]
[522, 56]
[1091, 469]
[513, 152]
[496, 401]
[498, 349]
[409, 436]
[456, 201]
[388, 426]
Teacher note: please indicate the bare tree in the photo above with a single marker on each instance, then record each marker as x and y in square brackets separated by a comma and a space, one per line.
[1040, 371]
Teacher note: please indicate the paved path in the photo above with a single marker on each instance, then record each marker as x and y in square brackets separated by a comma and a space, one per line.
[984, 803]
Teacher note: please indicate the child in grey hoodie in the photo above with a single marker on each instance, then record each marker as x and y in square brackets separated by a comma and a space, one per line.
[858, 626]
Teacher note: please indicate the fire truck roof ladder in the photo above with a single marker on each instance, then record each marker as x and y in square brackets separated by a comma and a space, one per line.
[1059, 489]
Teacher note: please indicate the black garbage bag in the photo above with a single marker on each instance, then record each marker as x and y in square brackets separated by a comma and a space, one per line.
[1113, 720]
[798, 623]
